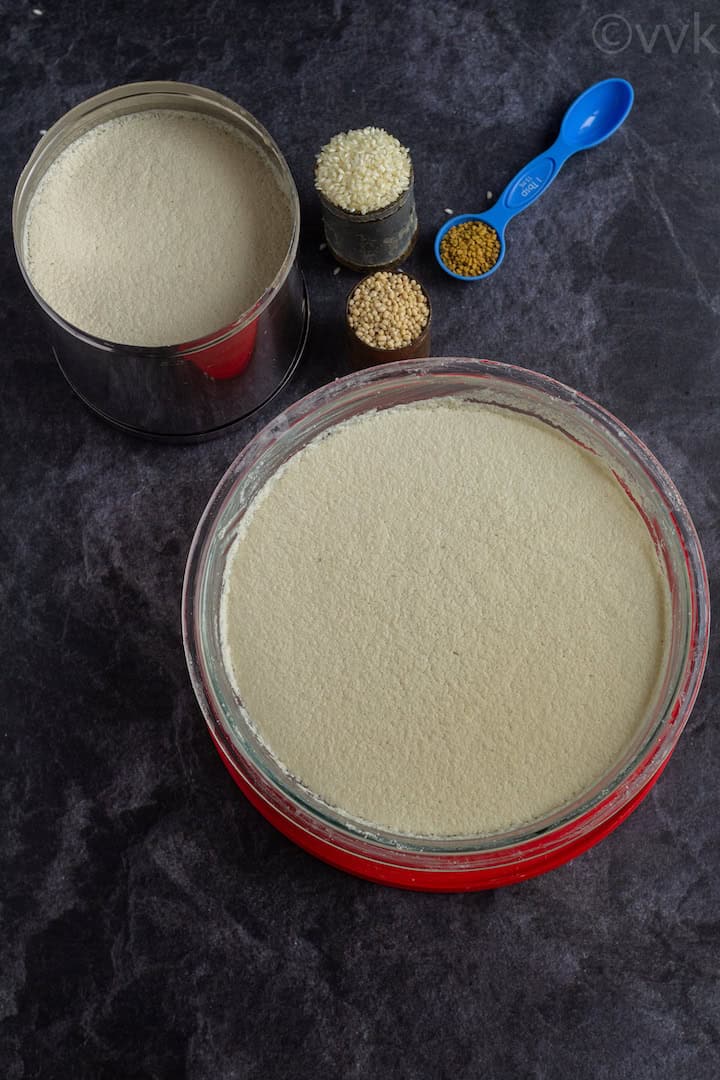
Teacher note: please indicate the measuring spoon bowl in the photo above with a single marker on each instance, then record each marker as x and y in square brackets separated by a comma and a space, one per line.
[494, 220]
[597, 113]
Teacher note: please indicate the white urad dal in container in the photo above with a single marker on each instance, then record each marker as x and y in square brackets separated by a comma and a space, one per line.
[445, 619]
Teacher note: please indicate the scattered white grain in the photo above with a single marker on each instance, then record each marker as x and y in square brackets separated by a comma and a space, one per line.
[448, 210]
[336, 270]
[363, 170]
[322, 247]
[37, 11]
[43, 131]
[488, 195]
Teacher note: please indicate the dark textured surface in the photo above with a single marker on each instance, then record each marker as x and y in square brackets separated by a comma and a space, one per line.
[153, 925]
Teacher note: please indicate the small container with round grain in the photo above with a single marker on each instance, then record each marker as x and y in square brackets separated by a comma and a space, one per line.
[364, 179]
[387, 317]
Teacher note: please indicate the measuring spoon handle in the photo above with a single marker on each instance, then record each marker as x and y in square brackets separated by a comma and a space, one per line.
[528, 185]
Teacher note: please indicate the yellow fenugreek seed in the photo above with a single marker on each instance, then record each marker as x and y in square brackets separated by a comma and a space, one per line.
[470, 248]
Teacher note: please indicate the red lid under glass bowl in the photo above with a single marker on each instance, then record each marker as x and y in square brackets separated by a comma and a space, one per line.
[448, 863]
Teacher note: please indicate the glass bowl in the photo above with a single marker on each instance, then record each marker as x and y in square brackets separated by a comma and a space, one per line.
[468, 862]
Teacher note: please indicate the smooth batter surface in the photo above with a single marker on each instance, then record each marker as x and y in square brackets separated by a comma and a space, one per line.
[445, 619]
[156, 228]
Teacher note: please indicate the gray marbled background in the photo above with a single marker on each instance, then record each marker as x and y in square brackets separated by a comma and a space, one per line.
[153, 925]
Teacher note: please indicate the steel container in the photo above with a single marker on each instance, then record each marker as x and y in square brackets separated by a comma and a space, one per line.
[195, 389]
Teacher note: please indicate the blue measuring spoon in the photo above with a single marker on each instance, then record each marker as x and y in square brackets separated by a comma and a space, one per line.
[592, 118]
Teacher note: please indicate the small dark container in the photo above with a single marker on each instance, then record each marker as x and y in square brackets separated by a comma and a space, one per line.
[363, 355]
[378, 240]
